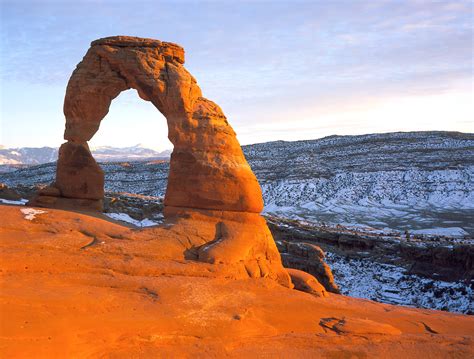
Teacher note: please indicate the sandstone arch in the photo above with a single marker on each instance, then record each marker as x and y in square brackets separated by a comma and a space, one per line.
[213, 199]
[208, 169]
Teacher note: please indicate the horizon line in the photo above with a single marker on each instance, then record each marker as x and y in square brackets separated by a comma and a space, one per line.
[3, 147]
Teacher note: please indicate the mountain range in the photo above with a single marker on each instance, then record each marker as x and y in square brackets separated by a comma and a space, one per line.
[35, 156]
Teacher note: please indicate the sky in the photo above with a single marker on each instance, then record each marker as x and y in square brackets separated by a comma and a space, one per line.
[280, 70]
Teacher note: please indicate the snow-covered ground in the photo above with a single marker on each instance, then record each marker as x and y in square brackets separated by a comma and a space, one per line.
[31, 213]
[126, 218]
[364, 278]
[430, 202]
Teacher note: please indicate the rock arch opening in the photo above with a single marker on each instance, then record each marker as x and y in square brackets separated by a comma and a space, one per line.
[132, 148]
[135, 129]
[132, 122]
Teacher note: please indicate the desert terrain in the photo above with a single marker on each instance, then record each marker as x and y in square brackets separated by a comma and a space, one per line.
[78, 285]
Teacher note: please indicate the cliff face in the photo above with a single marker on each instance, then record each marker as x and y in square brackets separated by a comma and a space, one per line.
[80, 286]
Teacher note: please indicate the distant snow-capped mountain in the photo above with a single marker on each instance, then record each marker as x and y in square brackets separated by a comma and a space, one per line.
[133, 153]
[27, 155]
[35, 156]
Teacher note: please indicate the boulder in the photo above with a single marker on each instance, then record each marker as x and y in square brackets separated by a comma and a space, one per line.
[8, 193]
[306, 282]
[308, 257]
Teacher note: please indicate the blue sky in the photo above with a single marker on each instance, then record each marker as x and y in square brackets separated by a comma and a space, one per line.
[280, 70]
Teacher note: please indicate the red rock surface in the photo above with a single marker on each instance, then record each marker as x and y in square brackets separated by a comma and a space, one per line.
[306, 282]
[76, 286]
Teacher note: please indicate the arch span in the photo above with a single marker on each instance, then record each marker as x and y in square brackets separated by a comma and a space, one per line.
[208, 169]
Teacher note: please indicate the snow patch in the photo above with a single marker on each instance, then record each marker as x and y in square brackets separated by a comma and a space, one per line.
[386, 283]
[126, 218]
[451, 231]
[30, 213]
[20, 202]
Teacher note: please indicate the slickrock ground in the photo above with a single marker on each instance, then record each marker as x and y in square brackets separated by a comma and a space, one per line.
[74, 285]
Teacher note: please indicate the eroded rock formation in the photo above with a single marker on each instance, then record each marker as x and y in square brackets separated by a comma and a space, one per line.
[208, 169]
[213, 199]
[309, 258]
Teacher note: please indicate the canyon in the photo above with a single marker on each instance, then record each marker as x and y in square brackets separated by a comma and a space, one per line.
[208, 280]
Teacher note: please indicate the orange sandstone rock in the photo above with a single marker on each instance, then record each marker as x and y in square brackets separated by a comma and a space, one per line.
[208, 169]
[306, 282]
[77, 172]
[76, 286]
[211, 188]
[240, 241]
